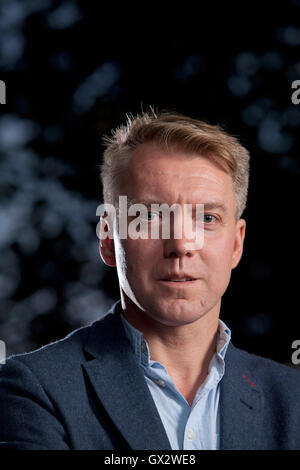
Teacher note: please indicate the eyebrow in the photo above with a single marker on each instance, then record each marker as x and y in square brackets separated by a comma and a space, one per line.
[215, 205]
[207, 205]
[146, 202]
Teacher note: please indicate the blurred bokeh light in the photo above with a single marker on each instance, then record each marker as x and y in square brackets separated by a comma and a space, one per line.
[72, 73]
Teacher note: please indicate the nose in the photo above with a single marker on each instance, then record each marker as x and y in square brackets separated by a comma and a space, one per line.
[178, 242]
[177, 248]
[184, 238]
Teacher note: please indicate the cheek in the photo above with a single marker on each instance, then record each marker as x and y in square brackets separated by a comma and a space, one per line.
[134, 256]
[217, 255]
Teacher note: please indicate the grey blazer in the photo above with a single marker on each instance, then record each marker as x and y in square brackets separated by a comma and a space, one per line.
[86, 391]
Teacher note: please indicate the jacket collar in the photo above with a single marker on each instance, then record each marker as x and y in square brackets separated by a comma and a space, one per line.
[121, 387]
[241, 404]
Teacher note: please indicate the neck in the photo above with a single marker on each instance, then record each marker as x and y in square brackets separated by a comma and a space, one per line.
[185, 350]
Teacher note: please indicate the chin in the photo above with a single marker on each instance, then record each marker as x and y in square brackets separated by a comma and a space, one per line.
[177, 312]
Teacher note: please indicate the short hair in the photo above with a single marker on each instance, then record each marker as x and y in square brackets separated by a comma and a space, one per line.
[171, 130]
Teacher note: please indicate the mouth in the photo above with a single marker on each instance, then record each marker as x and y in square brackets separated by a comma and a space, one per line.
[178, 281]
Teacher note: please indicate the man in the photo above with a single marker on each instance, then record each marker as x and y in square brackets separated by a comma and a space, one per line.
[159, 371]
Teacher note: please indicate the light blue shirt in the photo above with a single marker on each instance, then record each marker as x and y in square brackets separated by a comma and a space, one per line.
[187, 427]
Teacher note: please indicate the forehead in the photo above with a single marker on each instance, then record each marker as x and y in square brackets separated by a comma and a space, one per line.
[174, 175]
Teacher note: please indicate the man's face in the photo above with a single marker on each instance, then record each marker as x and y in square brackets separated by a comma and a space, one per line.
[146, 266]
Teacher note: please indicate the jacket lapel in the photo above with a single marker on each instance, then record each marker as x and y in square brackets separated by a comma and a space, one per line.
[121, 387]
[241, 404]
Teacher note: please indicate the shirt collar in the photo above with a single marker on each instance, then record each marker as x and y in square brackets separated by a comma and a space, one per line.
[141, 348]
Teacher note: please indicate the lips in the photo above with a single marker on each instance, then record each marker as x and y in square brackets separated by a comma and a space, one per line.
[177, 283]
[179, 277]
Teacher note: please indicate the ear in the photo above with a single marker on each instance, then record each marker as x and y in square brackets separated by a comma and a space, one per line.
[238, 242]
[106, 246]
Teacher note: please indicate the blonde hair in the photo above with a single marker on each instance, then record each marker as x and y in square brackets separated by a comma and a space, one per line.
[173, 130]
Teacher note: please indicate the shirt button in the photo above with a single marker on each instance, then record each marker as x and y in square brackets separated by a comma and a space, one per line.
[161, 383]
[190, 434]
[143, 347]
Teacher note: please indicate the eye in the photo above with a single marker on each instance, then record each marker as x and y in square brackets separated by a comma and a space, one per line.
[150, 216]
[209, 219]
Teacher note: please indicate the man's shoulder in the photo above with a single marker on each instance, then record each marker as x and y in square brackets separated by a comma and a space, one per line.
[63, 355]
[267, 372]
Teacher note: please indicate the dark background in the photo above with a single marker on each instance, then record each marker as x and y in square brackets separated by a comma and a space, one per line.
[73, 70]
